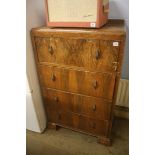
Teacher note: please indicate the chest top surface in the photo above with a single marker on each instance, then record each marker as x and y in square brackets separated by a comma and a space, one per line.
[114, 26]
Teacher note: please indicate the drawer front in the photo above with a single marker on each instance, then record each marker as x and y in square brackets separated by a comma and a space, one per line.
[87, 53]
[88, 106]
[78, 122]
[87, 83]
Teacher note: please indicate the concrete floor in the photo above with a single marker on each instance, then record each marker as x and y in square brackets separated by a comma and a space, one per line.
[68, 142]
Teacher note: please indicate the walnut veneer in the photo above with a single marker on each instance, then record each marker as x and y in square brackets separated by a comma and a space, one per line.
[79, 72]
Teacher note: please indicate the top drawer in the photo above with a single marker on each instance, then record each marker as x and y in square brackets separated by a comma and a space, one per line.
[90, 54]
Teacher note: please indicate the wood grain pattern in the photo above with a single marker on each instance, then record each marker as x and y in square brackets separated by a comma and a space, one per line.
[78, 121]
[93, 107]
[88, 53]
[79, 71]
[88, 83]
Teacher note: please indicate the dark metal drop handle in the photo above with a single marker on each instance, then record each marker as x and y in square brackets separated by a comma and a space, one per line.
[93, 125]
[53, 77]
[97, 54]
[94, 84]
[59, 116]
[50, 49]
[56, 99]
[94, 107]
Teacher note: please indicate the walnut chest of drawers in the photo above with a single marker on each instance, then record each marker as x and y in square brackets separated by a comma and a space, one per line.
[79, 72]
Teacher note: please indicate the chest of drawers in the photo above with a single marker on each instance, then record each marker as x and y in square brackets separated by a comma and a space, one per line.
[79, 72]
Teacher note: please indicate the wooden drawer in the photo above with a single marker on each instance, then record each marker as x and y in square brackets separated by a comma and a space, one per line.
[78, 122]
[87, 83]
[91, 54]
[88, 106]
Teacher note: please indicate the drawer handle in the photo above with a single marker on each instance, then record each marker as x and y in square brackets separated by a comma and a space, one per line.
[94, 107]
[94, 84]
[93, 125]
[53, 77]
[59, 116]
[115, 63]
[97, 54]
[50, 49]
[115, 68]
[56, 99]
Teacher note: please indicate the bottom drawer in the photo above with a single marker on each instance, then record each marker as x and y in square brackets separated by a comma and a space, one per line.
[78, 122]
[93, 107]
